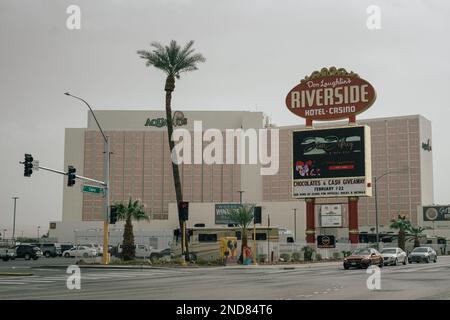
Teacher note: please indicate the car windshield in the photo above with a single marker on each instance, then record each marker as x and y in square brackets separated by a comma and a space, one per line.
[420, 250]
[361, 252]
[388, 251]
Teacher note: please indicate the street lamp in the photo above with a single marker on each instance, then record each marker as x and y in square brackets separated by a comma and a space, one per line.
[38, 232]
[376, 200]
[295, 224]
[14, 220]
[106, 165]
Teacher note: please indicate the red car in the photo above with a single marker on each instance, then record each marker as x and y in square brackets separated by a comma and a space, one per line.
[363, 258]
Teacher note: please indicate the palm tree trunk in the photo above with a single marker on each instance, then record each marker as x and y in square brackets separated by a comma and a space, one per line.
[169, 88]
[128, 250]
[416, 241]
[243, 242]
[401, 239]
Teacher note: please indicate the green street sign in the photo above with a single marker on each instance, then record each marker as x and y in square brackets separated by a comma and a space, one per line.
[92, 189]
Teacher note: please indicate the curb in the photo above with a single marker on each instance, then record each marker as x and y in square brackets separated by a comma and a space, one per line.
[15, 274]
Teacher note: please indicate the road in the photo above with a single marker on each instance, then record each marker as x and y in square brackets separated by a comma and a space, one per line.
[303, 282]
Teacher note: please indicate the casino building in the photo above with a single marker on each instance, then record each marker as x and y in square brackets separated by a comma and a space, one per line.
[401, 160]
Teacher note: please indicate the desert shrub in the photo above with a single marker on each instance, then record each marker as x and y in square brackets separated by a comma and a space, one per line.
[285, 257]
[296, 256]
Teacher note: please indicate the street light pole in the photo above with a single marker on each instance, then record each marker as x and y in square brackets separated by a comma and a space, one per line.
[106, 164]
[376, 201]
[14, 219]
[38, 233]
[295, 224]
[240, 196]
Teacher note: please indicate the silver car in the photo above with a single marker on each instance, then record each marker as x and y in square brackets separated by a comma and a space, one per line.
[422, 254]
[394, 256]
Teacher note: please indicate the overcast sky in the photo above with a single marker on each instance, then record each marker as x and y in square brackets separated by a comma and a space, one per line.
[256, 52]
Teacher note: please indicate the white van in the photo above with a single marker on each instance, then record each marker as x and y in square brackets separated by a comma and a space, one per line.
[142, 251]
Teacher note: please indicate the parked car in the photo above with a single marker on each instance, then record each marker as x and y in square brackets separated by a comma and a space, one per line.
[80, 251]
[160, 253]
[394, 256]
[93, 246]
[7, 250]
[65, 247]
[363, 258]
[50, 249]
[422, 254]
[28, 252]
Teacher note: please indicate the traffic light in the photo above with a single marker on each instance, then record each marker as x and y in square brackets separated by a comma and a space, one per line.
[71, 176]
[112, 215]
[257, 215]
[184, 210]
[28, 165]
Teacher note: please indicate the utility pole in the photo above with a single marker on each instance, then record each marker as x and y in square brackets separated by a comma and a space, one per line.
[269, 257]
[14, 219]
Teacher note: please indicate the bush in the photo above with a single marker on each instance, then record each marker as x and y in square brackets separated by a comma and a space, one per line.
[346, 253]
[296, 256]
[262, 257]
[308, 252]
[336, 255]
[285, 257]
[318, 257]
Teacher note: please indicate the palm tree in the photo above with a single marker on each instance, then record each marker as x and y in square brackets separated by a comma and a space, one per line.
[402, 225]
[242, 216]
[134, 210]
[415, 233]
[173, 60]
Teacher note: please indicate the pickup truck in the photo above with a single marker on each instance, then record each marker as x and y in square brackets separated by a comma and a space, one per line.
[7, 250]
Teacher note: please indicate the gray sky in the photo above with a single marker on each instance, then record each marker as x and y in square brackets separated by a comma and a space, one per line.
[256, 52]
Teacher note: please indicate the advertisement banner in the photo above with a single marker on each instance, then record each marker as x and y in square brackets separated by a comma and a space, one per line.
[222, 212]
[436, 213]
[331, 162]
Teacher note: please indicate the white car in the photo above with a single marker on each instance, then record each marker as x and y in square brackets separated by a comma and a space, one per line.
[394, 256]
[80, 251]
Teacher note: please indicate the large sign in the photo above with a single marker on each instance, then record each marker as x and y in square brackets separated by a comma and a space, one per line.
[326, 242]
[222, 212]
[331, 215]
[436, 213]
[333, 162]
[330, 94]
[178, 120]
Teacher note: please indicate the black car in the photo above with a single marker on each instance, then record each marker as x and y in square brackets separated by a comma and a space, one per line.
[65, 247]
[28, 252]
[49, 249]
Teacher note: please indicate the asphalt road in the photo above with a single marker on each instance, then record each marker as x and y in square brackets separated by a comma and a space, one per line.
[304, 282]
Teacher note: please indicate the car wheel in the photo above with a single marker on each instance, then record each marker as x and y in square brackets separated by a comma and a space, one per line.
[435, 259]
[427, 260]
[405, 261]
[67, 255]
[396, 262]
[346, 267]
[85, 255]
[5, 259]
[47, 254]
[27, 256]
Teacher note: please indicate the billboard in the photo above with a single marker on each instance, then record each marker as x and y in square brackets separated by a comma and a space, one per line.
[326, 242]
[436, 213]
[222, 211]
[331, 215]
[330, 94]
[332, 162]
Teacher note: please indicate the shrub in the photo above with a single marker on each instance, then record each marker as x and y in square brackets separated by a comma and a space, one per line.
[336, 255]
[285, 257]
[296, 256]
[318, 257]
[308, 252]
[346, 253]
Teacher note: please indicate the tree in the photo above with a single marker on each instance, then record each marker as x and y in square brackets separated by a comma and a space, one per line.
[242, 216]
[416, 232]
[134, 210]
[173, 60]
[402, 225]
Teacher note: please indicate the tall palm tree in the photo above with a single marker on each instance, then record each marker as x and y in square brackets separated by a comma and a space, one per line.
[242, 216]
[173, 60]
[402, 225]
[415, 232]
[133, 210]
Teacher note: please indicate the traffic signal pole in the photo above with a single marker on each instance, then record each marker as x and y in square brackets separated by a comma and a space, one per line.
[106, 202]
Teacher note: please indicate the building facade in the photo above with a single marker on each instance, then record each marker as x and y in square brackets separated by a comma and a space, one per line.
[141, 169]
